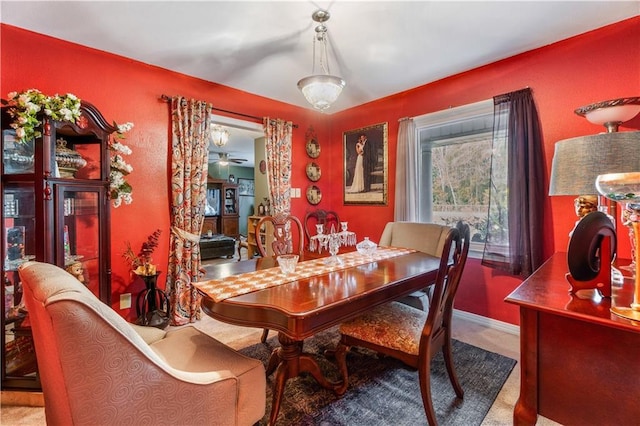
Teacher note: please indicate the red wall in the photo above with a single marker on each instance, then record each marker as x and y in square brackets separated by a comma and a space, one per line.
[596, 66]
[600, 65]
[126, 90]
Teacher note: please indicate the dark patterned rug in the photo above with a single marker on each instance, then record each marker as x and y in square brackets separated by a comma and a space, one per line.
[383, 391]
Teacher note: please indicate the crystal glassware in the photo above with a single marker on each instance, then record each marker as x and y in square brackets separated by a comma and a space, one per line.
[366, 247]
[625, 188]
[287, 263]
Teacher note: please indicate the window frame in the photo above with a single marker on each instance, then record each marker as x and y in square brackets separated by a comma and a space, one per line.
[425, 183]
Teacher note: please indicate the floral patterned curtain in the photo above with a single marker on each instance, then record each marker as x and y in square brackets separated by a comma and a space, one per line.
[278, 134]
[191, 131]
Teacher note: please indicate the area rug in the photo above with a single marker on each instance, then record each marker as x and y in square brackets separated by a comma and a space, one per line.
[383, 391]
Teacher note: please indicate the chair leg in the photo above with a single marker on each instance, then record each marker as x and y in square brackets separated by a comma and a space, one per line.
[448, 362]
[265, 334]
[424, 372]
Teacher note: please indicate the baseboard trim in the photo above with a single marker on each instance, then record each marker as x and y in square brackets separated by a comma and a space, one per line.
[487, 322]
[24, 398]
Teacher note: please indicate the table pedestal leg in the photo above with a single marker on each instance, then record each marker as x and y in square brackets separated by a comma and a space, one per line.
[290, 363]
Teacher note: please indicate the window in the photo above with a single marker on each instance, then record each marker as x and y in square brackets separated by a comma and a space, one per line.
[455, 155]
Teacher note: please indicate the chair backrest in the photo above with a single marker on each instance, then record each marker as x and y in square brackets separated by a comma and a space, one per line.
[317, 217]
[281, 231]
[452, 262]
[425, 237]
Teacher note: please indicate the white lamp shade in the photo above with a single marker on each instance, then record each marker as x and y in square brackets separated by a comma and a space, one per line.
[614, 114]
[321, 91]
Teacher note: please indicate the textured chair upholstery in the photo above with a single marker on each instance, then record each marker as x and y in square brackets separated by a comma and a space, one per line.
[97, 369]
[425, 237]
[412, 335]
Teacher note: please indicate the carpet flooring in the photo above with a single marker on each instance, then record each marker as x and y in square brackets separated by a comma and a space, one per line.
[383, 391]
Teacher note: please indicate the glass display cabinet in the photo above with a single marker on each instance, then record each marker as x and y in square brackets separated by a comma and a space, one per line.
[230, 212]
[55, 197]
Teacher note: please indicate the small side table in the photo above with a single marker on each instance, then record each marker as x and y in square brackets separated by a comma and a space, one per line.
[148, 303]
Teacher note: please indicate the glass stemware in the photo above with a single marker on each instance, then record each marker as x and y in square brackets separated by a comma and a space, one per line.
[625, 188]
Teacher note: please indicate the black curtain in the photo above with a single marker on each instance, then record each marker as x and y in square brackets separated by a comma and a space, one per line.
[517, 139]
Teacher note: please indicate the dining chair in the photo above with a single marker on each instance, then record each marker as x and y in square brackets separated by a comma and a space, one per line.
[327, 218]
[428, 238]
[277, 232]
[409, 334]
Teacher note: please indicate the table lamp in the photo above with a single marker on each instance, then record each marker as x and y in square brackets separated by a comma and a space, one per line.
[577, 162]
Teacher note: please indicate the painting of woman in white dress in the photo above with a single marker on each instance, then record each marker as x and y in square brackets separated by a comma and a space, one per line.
[357, 184]
[365, 165]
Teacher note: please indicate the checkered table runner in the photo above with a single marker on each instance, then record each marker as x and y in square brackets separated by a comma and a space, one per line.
[236, 285]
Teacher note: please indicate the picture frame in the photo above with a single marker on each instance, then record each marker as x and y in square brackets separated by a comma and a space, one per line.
[366, 181]
[245, 187]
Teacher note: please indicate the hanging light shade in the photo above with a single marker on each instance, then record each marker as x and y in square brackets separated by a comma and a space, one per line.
[321, 90]
[219, 135]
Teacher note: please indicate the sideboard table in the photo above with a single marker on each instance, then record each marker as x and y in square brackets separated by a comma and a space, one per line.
[580, 364]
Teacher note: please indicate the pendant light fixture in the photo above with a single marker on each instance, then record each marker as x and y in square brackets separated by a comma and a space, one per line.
[321, 90]
[219, 135]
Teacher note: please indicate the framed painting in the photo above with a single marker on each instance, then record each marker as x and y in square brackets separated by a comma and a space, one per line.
[366, 165]
[245, 187]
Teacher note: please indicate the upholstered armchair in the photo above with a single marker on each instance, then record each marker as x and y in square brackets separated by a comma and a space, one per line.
[425, 237]
[97, 369]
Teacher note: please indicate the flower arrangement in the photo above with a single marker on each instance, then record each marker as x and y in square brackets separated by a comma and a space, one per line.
[24, 108]
[141, 263]
[119, 189]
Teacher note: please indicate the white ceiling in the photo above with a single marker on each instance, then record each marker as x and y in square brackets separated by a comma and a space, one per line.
[265, 47]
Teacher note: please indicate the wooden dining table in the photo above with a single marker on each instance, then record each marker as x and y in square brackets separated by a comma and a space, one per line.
[300, 308]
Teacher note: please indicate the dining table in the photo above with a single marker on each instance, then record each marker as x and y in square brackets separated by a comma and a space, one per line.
[316, 296]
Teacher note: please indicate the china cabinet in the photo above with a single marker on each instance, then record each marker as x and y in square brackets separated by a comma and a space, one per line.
[55, 196]
[222, 203]
[230, 213]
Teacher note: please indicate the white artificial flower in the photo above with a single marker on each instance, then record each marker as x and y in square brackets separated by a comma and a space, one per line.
[66, 114]
[31, 107]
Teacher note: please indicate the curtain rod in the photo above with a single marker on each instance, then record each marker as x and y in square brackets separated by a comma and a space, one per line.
[259, 119]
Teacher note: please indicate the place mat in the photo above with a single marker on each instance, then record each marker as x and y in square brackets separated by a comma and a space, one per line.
[236, 285]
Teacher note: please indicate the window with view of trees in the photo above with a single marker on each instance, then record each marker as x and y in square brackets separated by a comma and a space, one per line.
[455, 164]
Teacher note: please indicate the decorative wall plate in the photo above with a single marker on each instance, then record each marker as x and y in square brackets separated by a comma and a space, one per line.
[582, 255]
[263, 166]
[314, 195]
[313, 148]
[313, 171]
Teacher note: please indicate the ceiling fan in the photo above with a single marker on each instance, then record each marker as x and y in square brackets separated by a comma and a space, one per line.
[224, 159]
